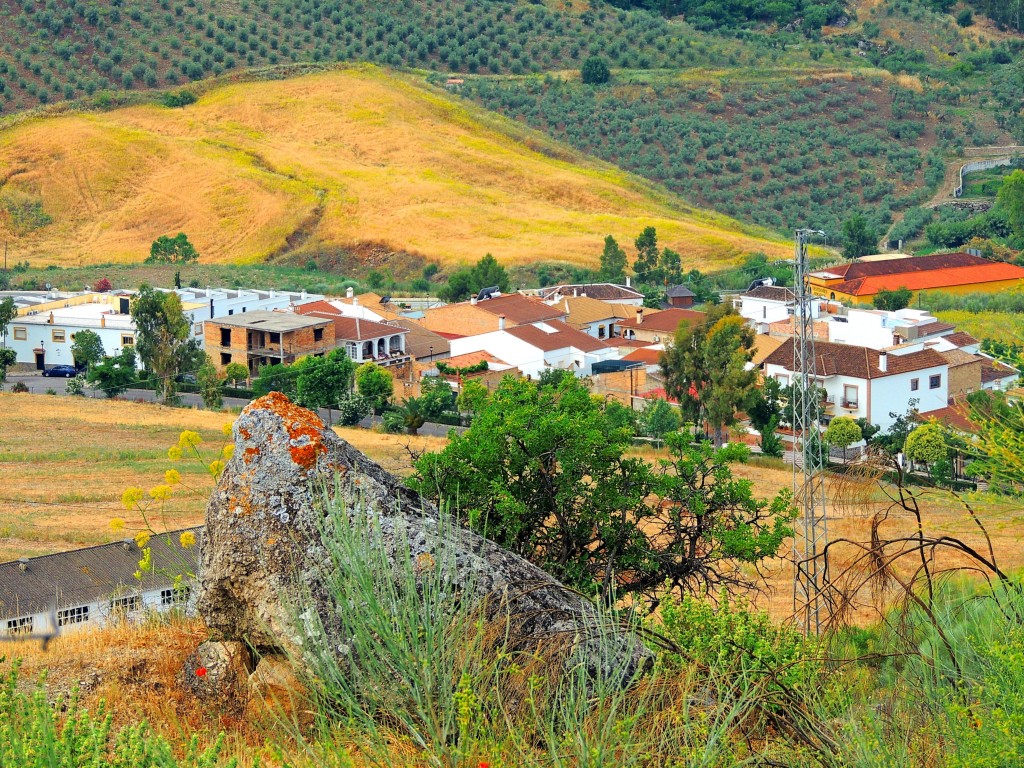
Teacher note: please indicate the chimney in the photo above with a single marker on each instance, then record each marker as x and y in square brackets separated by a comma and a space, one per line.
[355, 301]
[472, 300]
[883, 362]
[575, 291]
[103, 320]
[303, 294]
[22, 563]
[211, 309]
[627, 281]
[349, 292]
[501, 322]
[639, 315]
[50, 321]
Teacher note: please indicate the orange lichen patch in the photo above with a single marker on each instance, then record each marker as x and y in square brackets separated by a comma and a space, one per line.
[245, 433]
[249, 454]
[305, 429]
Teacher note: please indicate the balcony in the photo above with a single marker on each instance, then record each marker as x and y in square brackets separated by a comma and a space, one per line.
[851, 405]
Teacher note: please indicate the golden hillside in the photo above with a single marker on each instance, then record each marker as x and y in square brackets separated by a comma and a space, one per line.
[332, 159]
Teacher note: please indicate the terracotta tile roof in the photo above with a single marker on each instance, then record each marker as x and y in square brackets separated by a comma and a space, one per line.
[647, 356]
[771, 293]
[449, 336]
[519, 309]
[957, 357]
[348, 328]
[855, 270]
[955, 416]
[993, 370]
[421, 341]
[857, 362]
[658, 394]
[472, 358]
[583, 310]
[666, 320]
[600, 291]
[563, 336]
[764, 345]
[961, 339]
[989, 272]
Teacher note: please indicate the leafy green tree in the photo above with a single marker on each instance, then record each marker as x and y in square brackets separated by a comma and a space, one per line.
[466, 282]
[843, 432]
[412, 414]
[459, 286]
[8, 357]
[322, 381]
[375, 384]
[893, 440]
[766, 403]
[671, 267]
[658, 418]
[1011, 200]
[771, 443]
[115, 374]
[706, 368]
[172, 250]
[473, 397]
[8, 311]
[274, 378]
[436, 397]
[613, 262]
[894, 300]
[620, 416]
[163, 339]
[858, 239]
[87, 348]
[926, 444]
[353, 408]
[595, 71]
[488, 272]
[647, 257]
[211, 385]
[236, 373]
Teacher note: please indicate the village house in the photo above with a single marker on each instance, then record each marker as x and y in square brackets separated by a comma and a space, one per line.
[476, 316]
[611, 293]
[260, 338]
[363, 340]
[680, 297]
[657, 326]
[593, 317]
[861, 382]
[51, 594]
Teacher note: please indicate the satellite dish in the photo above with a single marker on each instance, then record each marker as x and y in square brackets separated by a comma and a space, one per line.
[48, 286]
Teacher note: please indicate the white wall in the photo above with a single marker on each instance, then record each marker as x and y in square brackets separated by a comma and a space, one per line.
[503, 346]
[861, 329]
[892, 393]
[763, 310]
[59, 353]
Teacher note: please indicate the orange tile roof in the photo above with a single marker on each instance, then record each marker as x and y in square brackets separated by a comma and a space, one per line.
[519, 309]
[563, 336]
[472, 358]
[989, 272]
[667, 320]
[647, 356]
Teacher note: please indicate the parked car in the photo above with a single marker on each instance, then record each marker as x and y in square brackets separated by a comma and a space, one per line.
[67, 371]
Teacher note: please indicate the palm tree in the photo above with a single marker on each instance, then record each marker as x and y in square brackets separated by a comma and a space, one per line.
[412, 417]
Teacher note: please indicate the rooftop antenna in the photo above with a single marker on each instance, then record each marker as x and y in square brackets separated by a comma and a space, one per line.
[808, 461]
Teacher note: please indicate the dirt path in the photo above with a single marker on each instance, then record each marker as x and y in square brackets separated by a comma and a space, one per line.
[952, 178]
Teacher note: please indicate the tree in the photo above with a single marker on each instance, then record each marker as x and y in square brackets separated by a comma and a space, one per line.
[858, 240]
[466, 282]
[473, 397]
[8, 311]
[965, 18]
[321, 382]
[353, 408]
[172, 250]
[115, 374]
[211, 386]
[613, 262]
[274, 378]
[706, 368]
[1011, 200]
[595, 71]
[647, 257]
[236, 373]
[488, 272]
[765, 410]
[658, 418]
[670, 267]
[87, 349]
[436, 397]
[926, 444]
[412, 415]
[8, 357]
[893, 300]
[163, 338]
[375, 384]
[102, 285]
[843, 432]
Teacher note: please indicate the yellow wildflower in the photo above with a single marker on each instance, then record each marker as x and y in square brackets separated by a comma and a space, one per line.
[160, 492]
[216, 467]
[137, 575]
[131, 497]
[172, 477]
[141, 539]
[229, 451]
[117, 524]
[146, 563]
[174, 453]
[189, 439]
[227, 429]
[187, 539]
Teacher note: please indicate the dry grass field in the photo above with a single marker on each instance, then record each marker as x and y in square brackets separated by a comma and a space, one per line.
[334, 159]
[64, 463]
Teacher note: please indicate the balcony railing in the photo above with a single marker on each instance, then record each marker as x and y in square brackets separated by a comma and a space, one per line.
[852, 405]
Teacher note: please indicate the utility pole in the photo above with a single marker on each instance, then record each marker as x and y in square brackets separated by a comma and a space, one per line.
[808, 462]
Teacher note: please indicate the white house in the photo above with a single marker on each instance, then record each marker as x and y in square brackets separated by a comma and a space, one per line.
[52, 594]
[536, 348]
[609, 292]
[861, 382]
[769, 304]
[880, 329]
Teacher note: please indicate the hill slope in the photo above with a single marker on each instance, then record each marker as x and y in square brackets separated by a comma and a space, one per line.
[326, 161]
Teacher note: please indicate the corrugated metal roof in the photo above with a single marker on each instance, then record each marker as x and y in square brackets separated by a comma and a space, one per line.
[82, 576]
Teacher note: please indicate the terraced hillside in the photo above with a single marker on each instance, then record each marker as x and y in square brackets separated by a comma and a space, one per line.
[323, 162]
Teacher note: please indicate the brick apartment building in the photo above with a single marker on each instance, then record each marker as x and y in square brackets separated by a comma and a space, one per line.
[266, 338]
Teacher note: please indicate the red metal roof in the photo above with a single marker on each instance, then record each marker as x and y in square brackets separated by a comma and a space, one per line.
[989, 272]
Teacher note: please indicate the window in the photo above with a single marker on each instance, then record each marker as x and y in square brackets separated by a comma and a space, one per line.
[782, 379]
[225, 337]
[850, 396]
[231, 311]
[72, 615]
[127, 340]
[197, 329]
[935, 381]
[915, 384]
[177, 596]
[58, 335]
[20, 334]
[318, 334]
[20, 626]
[275, 338]
[225, 358]
[124, 605]
[351, 350]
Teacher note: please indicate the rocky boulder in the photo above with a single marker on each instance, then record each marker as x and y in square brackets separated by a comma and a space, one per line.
[264, 552]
